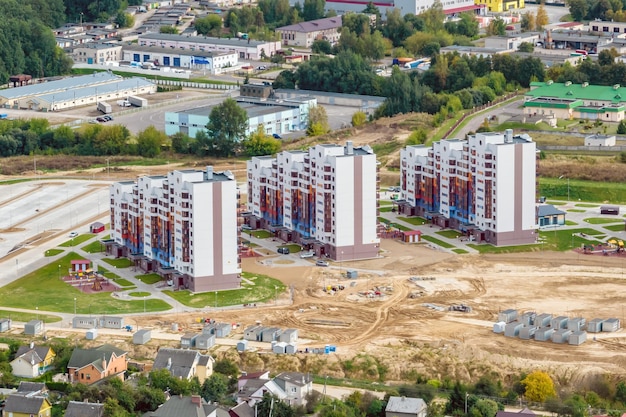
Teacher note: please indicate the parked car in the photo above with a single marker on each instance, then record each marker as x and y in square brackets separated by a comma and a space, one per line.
[321, 262]
[284, 250]
[261, 68]
[107, 118]
[246, 227]
[73, 234]
[304, 255]
[276, 136]
[101, 119]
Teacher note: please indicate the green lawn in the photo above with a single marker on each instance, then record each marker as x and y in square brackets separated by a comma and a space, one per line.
[140, 294]
[94, 247]
[400, 227]
[382, 203]
[263, 288]
[450, 234]
[570, 223]
[591, 191]
[437, 241]
[124, 283]
[119, 262]
[77, 240]
[42, 288]
[559, 240]
[260, 234]
[557, 203]
[107, 274]
[486, 248]
[576, 211]
[417, 221]
[386, 209]
[601, 220]
[614, 227]
[149, 278]
[460, 251]
[53, 252]
[26, 317]
[586, 205]
[293, 248]
[383, 220]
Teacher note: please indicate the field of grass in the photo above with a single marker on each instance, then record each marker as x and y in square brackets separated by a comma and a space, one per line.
[400, 227]
[450, 234]
[570, 223]
[119, 262]
[94, 247]
[124, 283]
[592, 191]
[262, 289]
[557, 203]
[460, 251]
[139, 294]
[614, 227]
[260, 234]
[558, 240]
[53, 252]
[601, 220]
[77, 240]
[383, 203]
[149, 278]
[26, 317]
[293, 248]
[576, 211]
[417, 221]
[486, 248]
[42, 288]
[387, 148]
[385, 209]
[107, 274]
[437, 241]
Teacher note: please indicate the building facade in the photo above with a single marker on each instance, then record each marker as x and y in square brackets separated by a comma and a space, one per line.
[483, 186]
[214, 62]
[500, 6]
[324, 198]
[97, 53]
[182, 226]
[303, 34]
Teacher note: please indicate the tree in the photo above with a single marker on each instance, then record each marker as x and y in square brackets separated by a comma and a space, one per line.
[259, 143]
[321, 46]
[226, 367]
[538, 386]
[542, 18]
[278, 408]
[150, 141]
[313, 9]
[578, 9]
[526, 47]
[456, 400]
[484, 408]
[359, 118]
[210, 25]
[124, 20]
[607, 57]
[181, 143]
[168, 29]
[621, 130]
[496, 27]
[214, 388]
[528, 21]
[318, 121]
[227, 127]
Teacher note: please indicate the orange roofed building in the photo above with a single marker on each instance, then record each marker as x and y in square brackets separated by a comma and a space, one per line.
[89, 366]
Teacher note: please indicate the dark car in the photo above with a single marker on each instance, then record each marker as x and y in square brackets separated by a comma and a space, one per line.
[284, 250]
[107, 118]
[101, 119]
[276, 136]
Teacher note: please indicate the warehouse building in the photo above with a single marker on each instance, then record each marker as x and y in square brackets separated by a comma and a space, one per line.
[212, 61]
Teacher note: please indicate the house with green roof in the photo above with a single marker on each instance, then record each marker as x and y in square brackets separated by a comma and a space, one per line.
[576, 101]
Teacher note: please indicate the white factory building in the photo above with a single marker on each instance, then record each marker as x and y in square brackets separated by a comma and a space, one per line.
[323, 198]
[214, 62]
[484, 186]
[182, 226]
[73, 92]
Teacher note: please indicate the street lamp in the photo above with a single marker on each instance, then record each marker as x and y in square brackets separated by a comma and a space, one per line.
[74, 305]
[37, 308]
[59, 272]
[215, 299]
[144, 304]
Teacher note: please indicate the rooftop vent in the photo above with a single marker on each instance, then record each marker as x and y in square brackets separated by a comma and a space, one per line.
[616, 86]
[585, 84]
[568, 83]
[549, 82]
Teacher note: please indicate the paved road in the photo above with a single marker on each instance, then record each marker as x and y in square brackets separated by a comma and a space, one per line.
[474, 123]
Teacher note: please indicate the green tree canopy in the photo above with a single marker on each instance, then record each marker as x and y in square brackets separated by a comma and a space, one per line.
[226, 128]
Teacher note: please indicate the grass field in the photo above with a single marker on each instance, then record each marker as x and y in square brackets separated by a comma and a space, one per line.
[53, 252]
[601, 220]
[119, 262]
[293, 248]
[570, 223]
[140, 294]
[385, 209]
[450, 234]
[417, 221]
[26, 317]
[460, 251]
[94, 247]
[614, 227]
[262, 289]
[260, 234]
[558, 240]
[437, 241]
[149, 278]
[592, 191]
[43, 289]
[77, 240]
[576, 211]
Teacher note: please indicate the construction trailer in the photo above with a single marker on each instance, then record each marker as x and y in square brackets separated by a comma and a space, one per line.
[5, 325]
[543, 320]
[559, 322]
[223, 329]
[611, 325]
[575, 324]
[508, 316]
[141, 337]
[33, 327]
[578, 337]
[289, 336]
[595, 325]
[242, 345]
[205, 341]
[561, 336]
[188, 340]
[543, 334]
[527, 332]
[512, 329]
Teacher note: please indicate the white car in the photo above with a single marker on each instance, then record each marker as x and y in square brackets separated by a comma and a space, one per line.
[73, 234]
[321, 262]
[304, 255]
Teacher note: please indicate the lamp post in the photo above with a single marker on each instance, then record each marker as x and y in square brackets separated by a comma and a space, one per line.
[215, 299]
[144, 304]
[74, 305]
[466, 395]
[59, 271]
[37, 309]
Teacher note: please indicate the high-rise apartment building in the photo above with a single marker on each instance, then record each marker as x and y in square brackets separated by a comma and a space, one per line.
[483, 186]
[182, 226]
[324, 198]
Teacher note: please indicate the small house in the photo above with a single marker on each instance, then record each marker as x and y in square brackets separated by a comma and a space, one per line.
[242, 345]
[507, 316]
[96, 227]
[607, 209]
[595, 325]
[184, 363]
[543, 334]
[80, 265]
[289, 336]
[205, 341]
[5, 325]
[24, 406]
[405, 407]
[561, 336]
[88, 366]
[33, 327]
[141, 337]
[32, 361]
[559, 322]
[85, 322]
[600, 140]
[611, 325]
[512, 329]
[222, 329]
[578, 337]
[188, 340]
[84, 409]
[548, 215]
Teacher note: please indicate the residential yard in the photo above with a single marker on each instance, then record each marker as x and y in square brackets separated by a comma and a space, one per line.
[26, 317]
[53, 252]
[417, 221]
[450, 234]
[602, 220]
[94, 247]
[149, 278]
[77, 240]
[260, 234]
[119, 262]
[436, 241]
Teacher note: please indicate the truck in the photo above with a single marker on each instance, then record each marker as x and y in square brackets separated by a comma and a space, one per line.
[123, 103]
[242, 35]
[3, 116]
[401, 61]
[138, 101]
[104, 107]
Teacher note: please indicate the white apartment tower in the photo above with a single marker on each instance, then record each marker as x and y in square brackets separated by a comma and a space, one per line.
[324, 199]
[183, 226]
[484, 186]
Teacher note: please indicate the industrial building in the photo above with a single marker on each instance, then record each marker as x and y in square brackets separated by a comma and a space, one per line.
[323, 198]
[97, 53]
[275, 116]
[483, 186]
[73, 92]
[303, 34]
[212, 61]
[182, 225]
[245, 49]
[576, 101]
[500, 6]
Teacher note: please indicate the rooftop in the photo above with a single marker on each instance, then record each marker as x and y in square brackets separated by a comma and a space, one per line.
[614, 94]
[314, 25]
[233, 42]
[59, 85]
[178, 51]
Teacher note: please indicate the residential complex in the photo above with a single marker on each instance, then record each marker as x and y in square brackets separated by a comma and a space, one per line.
[182, 225]
[324, 198]
[483, 186]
